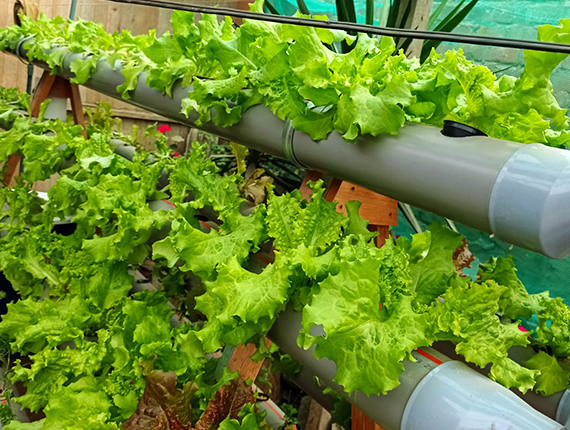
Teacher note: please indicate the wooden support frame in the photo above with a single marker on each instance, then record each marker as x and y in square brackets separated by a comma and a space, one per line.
[381, 212]
[48, 86]
[241, 361]
[418, 19]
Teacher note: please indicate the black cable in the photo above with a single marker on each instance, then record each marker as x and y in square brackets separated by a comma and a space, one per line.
[361, 28]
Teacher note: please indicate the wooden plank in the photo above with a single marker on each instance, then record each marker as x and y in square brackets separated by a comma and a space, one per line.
[242, 362]
[318, 418]
[47, 82]
[59, 89]
[53, 86]
[383, 234]
[382, 212]
[333, 189]
[14, 71]
[77, 108]
[310, 176]
[11, 170]
[42, 92]
[44, 186]
[60, 8]
[362, 422]
[376, 208]
[419, 21]
[163, 24]
[112, 21]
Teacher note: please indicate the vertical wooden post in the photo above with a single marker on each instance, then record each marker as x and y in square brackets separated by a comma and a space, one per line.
[418, 21]
[362, 422]
[359, 420]
[42, 92]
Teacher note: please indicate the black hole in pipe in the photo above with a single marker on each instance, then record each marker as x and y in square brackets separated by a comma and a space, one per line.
[456, 129]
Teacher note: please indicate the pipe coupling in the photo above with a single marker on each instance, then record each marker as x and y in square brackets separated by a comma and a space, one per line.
[287, 144]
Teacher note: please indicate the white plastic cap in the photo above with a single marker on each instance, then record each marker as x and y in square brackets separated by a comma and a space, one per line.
[563, 411]
[530, 202]
[454, 396]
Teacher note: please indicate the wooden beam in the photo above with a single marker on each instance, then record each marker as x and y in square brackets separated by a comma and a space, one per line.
[379, 210]
[362, 422]
[77, 107]
[310, 176]
[42, 92]
[383, 234]
[11, 170]
[242, 362]
[419, 21]
[382, 212]
[318, 418]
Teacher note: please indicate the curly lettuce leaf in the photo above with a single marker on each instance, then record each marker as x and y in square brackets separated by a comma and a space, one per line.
[468, 316]
[358, 330]
[553, 377]
[431, 262]
[293, 223]
[53, 368]
[81, 405]
[241, 305]
[516, 301]
[203, 252]
[33, 325]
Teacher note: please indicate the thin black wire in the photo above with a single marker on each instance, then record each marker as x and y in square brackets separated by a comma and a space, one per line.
[362, 28]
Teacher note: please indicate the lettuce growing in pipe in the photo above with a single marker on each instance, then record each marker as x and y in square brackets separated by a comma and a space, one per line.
[455, 181]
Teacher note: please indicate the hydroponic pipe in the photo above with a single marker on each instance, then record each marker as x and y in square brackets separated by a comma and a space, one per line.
[405, 407]
[555, 406]
[435, 393]
[521, 193]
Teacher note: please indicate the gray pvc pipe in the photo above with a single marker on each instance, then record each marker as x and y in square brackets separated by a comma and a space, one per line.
[387, 410]
[435, 393]
[548, 405]
[521, 195]
[406, 406]
[56, 109]
[451, 177]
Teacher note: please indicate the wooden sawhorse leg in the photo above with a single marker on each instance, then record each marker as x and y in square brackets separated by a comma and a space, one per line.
[49, 86]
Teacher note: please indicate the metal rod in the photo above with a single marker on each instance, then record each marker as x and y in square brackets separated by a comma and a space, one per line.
[72, 9]
[362, 28]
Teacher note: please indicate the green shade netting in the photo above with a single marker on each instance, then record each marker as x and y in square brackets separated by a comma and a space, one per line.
[537, 272]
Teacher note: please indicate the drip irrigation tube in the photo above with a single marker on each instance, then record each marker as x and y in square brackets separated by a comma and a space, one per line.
[361, 28]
